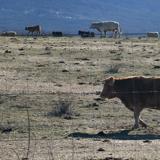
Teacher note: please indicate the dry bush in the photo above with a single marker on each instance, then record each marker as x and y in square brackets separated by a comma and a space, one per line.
[113, 69]
[62, 109]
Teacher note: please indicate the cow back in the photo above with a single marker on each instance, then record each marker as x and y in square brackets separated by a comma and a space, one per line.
[139, 91]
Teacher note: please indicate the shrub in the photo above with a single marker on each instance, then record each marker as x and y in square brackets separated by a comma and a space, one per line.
[113, 69]
[62, 109]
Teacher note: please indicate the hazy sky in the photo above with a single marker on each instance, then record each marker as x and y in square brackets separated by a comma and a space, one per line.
[68, 15]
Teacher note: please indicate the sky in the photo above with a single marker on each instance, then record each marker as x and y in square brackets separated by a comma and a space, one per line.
[72, 15]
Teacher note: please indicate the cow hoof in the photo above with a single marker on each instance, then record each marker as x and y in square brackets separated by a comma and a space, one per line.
[135, 127]
[144, 126]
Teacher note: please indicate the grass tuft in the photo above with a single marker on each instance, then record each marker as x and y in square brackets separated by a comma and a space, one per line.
[62, 109]
[113, 69]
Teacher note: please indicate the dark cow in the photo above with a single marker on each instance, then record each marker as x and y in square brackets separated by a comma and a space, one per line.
[136, 93]
[57, 34]
[153, 34]
[9, 33]
[37, 29]
[86, 34]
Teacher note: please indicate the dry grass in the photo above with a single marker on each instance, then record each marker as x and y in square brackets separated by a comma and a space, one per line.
[39, 74]
[62, 109]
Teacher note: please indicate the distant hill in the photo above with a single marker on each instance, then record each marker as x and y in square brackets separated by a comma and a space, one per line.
[71, 15]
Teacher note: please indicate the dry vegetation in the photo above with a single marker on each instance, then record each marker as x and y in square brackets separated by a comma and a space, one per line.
[64, 76]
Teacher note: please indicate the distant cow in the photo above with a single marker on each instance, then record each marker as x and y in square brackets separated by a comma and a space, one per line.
[9, 33]
[86, 34]
[57, 34]
[31, 29]
[153, 34]
[107, 26]
[136, 93]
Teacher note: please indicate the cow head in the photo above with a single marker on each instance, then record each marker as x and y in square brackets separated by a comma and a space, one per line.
[108, 88]
[93, 26]
[26, 28]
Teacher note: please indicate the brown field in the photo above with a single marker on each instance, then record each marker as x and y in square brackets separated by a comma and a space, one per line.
[39, 74]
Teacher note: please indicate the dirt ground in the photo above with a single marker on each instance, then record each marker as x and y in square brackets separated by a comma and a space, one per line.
[38, 74]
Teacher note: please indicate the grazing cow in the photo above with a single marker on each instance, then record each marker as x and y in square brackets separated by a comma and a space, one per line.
[136, 93]
[107, 26]
[57, 34]
[37, 29]
[9, 33]
[86, 34]
[153, 34]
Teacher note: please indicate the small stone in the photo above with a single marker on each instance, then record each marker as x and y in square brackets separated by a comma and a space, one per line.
[101, 150]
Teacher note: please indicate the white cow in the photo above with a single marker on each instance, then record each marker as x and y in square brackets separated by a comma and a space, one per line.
[153, 34]
[107, 26]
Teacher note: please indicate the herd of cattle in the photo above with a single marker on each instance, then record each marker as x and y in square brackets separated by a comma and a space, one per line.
[136, 93]
[102, 27]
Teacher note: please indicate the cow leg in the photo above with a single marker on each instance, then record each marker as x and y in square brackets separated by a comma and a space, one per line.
[101, 34]
[113, 36]
[136, 117]
[142, 123]
[118, 34]
[137, 112]
[38, 33]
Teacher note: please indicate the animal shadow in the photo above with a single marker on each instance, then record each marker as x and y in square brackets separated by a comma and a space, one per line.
[119, 135]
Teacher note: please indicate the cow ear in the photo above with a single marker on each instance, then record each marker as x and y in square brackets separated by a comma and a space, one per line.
[111, 81]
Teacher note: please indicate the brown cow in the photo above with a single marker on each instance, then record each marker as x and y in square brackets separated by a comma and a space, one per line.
[136, 93]
[33, 29]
